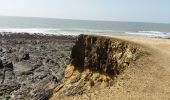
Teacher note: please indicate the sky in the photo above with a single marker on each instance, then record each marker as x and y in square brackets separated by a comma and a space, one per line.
[111, 10]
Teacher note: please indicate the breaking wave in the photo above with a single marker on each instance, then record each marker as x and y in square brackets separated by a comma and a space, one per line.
[77, 31]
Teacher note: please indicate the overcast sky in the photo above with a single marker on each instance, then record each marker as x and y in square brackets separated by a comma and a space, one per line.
[114, 10]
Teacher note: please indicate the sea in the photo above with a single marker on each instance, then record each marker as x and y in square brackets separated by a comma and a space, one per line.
[75, 27]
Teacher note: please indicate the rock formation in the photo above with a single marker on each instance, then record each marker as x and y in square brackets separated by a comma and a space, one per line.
[96, 60]
[32, 65]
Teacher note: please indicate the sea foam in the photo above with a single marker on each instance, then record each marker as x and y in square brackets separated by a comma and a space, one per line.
[150, 34]
[77, 31]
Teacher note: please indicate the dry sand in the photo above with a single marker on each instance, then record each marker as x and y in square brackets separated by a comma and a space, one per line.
[148, 79]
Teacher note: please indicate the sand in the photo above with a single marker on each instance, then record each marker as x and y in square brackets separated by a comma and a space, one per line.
[148, 79]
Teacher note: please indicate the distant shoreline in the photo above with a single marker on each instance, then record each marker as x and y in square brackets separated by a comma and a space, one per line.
[75, 35]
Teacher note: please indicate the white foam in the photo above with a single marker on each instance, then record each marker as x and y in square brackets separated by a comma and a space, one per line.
[77, 31]
[28, 30]
[43, 31]
[151, 34]
[51, 31]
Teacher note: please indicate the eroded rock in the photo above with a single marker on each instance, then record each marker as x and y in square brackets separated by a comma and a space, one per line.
[96, 60]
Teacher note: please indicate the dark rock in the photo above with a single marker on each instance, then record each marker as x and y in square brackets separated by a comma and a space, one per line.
[25, 56]
[1, 64]
[8, 88]
[8, 66]
[42, 94]
[32, 63]
[3, 50]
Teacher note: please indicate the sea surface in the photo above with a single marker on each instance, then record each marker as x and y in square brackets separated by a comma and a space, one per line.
[75, 27]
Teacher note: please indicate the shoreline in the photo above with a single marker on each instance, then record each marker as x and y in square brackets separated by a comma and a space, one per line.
[75, 35]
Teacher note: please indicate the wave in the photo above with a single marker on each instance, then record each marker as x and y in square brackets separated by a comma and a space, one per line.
[54, 31]
[77, 31]
[157, 34]
[37, 30]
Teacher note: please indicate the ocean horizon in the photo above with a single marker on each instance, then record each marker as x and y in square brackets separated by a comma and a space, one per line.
[76, 27]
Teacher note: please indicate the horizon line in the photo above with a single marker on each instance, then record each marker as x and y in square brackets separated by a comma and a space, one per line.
[84, 19]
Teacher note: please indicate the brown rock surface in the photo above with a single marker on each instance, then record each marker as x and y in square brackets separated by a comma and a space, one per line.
[147, 78]
[96, 61]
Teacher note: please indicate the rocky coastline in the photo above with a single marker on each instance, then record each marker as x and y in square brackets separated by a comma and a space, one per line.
[51, 67]
[31, 65]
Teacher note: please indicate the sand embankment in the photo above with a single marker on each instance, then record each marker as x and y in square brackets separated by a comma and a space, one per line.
[150, 78]
[146, 79]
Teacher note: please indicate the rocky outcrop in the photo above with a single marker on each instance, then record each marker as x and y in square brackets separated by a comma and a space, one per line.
[96, 60]
[103, 54]
[32, 65]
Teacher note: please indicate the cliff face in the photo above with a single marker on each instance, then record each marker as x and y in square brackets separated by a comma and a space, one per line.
[102, 54]
[96, 60]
